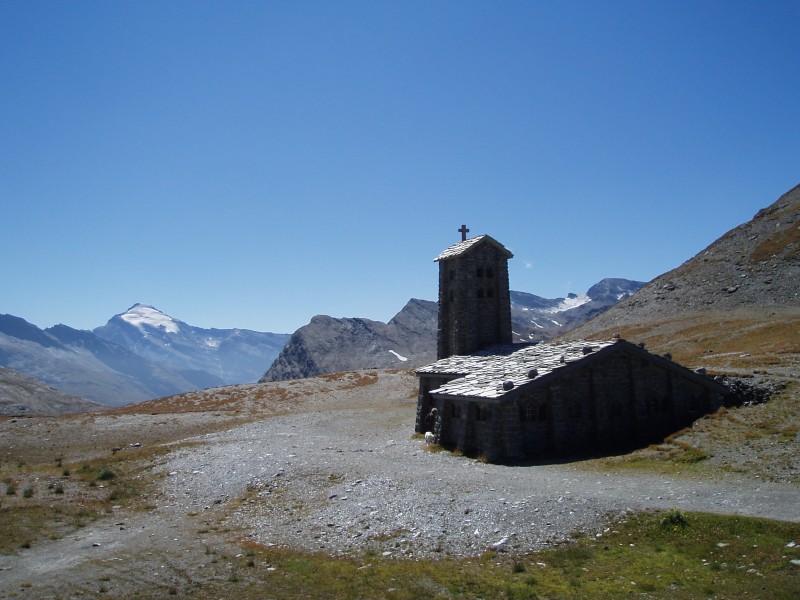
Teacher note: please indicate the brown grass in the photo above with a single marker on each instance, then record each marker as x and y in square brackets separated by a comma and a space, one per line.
[778, 244]
[737, 340]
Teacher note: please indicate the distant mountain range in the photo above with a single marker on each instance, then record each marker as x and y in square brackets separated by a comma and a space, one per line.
[738, 297]
[329, 345]
[534, 319]
[138, 355]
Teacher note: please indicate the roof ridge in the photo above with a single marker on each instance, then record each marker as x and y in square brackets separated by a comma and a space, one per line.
[464, 245]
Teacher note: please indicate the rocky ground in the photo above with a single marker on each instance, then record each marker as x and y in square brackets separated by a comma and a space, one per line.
[330, 464]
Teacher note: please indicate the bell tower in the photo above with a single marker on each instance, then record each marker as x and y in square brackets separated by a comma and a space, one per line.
[474, 299]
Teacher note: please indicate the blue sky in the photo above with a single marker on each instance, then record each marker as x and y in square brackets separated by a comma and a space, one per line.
[252, 164]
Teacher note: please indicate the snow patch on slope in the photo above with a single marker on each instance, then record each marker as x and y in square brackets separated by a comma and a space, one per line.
[401, 358]
[141, 315]
[570, 302]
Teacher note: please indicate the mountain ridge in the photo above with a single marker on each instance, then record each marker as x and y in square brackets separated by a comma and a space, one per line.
[756, 264]
[329, 345]
[734, 307]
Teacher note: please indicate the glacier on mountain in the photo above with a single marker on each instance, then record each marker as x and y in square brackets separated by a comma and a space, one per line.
[141, 315]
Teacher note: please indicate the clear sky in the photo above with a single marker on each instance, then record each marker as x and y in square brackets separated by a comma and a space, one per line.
[252, 164]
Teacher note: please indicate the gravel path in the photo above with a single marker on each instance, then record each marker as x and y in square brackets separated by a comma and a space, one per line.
[345, 483]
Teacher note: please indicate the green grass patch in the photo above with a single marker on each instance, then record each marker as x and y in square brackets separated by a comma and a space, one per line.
[653, 555]
[28, 524]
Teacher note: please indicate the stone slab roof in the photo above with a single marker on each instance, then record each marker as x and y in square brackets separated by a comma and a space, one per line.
[485, 375]
[462, 247]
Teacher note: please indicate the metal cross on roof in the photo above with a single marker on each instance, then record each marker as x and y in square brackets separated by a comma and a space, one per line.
[464, 231]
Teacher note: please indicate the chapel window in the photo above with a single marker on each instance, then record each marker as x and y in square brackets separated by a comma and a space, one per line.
[490, 293]
[489, 273]
[480, 292]
[480, 272]
[484, 414]
[529, 413]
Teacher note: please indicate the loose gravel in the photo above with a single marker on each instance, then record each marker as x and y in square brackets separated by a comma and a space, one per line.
[347, 483]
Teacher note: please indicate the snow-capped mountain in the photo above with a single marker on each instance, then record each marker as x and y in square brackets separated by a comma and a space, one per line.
[143, 354]
[228, 355]
[534, 318]
[81, 364]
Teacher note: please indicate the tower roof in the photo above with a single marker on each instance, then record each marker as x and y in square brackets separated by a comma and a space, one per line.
[463, 247]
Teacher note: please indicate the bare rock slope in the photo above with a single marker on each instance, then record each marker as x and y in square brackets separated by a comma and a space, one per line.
[23, 395]
[753, 267]
[330, 345]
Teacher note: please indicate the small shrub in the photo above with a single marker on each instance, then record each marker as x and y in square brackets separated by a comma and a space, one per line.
[675, 520]
[11, 489]
[59, 489]
[105, 474]
[518, 567]
[65, 472]
[28, 492]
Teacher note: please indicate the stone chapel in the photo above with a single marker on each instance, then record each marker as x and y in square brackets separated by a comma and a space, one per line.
[515, 402]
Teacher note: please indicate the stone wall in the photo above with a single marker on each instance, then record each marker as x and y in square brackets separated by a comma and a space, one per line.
[617, 403]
